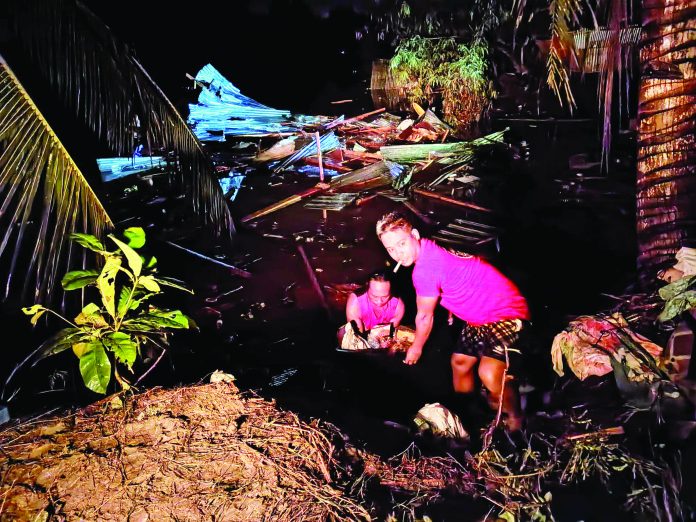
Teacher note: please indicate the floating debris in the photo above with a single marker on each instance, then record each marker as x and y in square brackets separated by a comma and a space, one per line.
[111, 169]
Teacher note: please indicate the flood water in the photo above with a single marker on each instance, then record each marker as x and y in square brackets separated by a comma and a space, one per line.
[564, 240]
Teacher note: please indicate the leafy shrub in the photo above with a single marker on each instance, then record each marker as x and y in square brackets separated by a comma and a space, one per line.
[113, 332]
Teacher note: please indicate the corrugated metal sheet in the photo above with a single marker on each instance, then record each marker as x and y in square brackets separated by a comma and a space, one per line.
[328, 142]
[222, 110]
[115, 168]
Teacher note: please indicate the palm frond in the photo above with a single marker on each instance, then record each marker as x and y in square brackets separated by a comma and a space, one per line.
[43, 195]
[562, 12]
[609, 67]
[103, 83]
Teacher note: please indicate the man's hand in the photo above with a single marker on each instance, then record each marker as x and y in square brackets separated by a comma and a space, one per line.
[412, 355]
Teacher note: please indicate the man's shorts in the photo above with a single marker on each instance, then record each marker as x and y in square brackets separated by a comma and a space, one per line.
[490, 340]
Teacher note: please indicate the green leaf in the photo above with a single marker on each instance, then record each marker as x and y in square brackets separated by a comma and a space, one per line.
[34, 309]
[95, 366]
[149, 283]
[36, 312]
[123, 346]
[135, 237]
[79, 279]
[152, 262]
[157, 320]
[134, 261]
[88, 241]
[106, 282]
[676, 305]
[126, 293]
[174, 318]
[672, 290]
[59, 342]
[91, 315]
[173, 284]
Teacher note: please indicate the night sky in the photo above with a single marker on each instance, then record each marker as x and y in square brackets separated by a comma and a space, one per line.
[289, 54]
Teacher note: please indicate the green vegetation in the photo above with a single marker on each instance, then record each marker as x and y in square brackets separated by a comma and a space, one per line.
[458, 72]
[113, 332]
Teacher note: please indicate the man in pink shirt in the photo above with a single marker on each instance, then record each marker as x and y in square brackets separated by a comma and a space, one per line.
[376, 305]
[490, 306]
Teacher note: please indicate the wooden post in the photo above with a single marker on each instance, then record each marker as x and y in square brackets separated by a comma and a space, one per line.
[321, 162]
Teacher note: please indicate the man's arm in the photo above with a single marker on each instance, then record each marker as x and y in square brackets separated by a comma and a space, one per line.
[398, 313]
[424, 325]
[353, 311]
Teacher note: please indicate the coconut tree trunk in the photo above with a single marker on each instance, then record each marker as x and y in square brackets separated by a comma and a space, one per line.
[666, 181]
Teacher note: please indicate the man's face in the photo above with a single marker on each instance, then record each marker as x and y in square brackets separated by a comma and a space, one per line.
[402, 246]
[379, 293]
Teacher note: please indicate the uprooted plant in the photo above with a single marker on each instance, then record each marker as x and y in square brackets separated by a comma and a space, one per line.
[114, 332]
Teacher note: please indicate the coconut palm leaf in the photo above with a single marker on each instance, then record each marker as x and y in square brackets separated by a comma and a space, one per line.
[103, 83]
[562, 12]
[43, 195]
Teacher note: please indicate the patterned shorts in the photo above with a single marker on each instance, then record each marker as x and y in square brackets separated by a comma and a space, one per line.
[490, 339]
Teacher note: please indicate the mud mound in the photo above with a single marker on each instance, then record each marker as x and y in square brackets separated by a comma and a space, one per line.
[193, 453]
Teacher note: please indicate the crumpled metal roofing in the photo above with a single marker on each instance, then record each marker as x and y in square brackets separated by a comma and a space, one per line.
[223, 110]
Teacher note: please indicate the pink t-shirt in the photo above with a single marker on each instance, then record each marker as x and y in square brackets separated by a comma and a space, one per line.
[371, 317]
[469, 287]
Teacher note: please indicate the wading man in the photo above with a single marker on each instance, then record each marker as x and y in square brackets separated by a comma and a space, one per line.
[490, 306]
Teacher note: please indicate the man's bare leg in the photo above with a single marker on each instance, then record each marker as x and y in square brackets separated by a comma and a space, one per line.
[463, 372]
[491, 373]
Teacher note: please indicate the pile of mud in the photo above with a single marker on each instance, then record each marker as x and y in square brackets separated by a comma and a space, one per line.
[192, 453]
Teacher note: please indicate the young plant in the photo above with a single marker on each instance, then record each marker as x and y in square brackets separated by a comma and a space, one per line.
[113, 331]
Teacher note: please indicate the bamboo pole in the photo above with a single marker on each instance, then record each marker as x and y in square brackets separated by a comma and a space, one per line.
[313, 279]
[234, 269]
[282, 204]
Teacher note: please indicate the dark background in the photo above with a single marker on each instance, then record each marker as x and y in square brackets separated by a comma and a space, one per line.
[287, 54]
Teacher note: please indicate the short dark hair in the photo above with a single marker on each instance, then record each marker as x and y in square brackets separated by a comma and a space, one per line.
[393, 221]
[380, 276]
